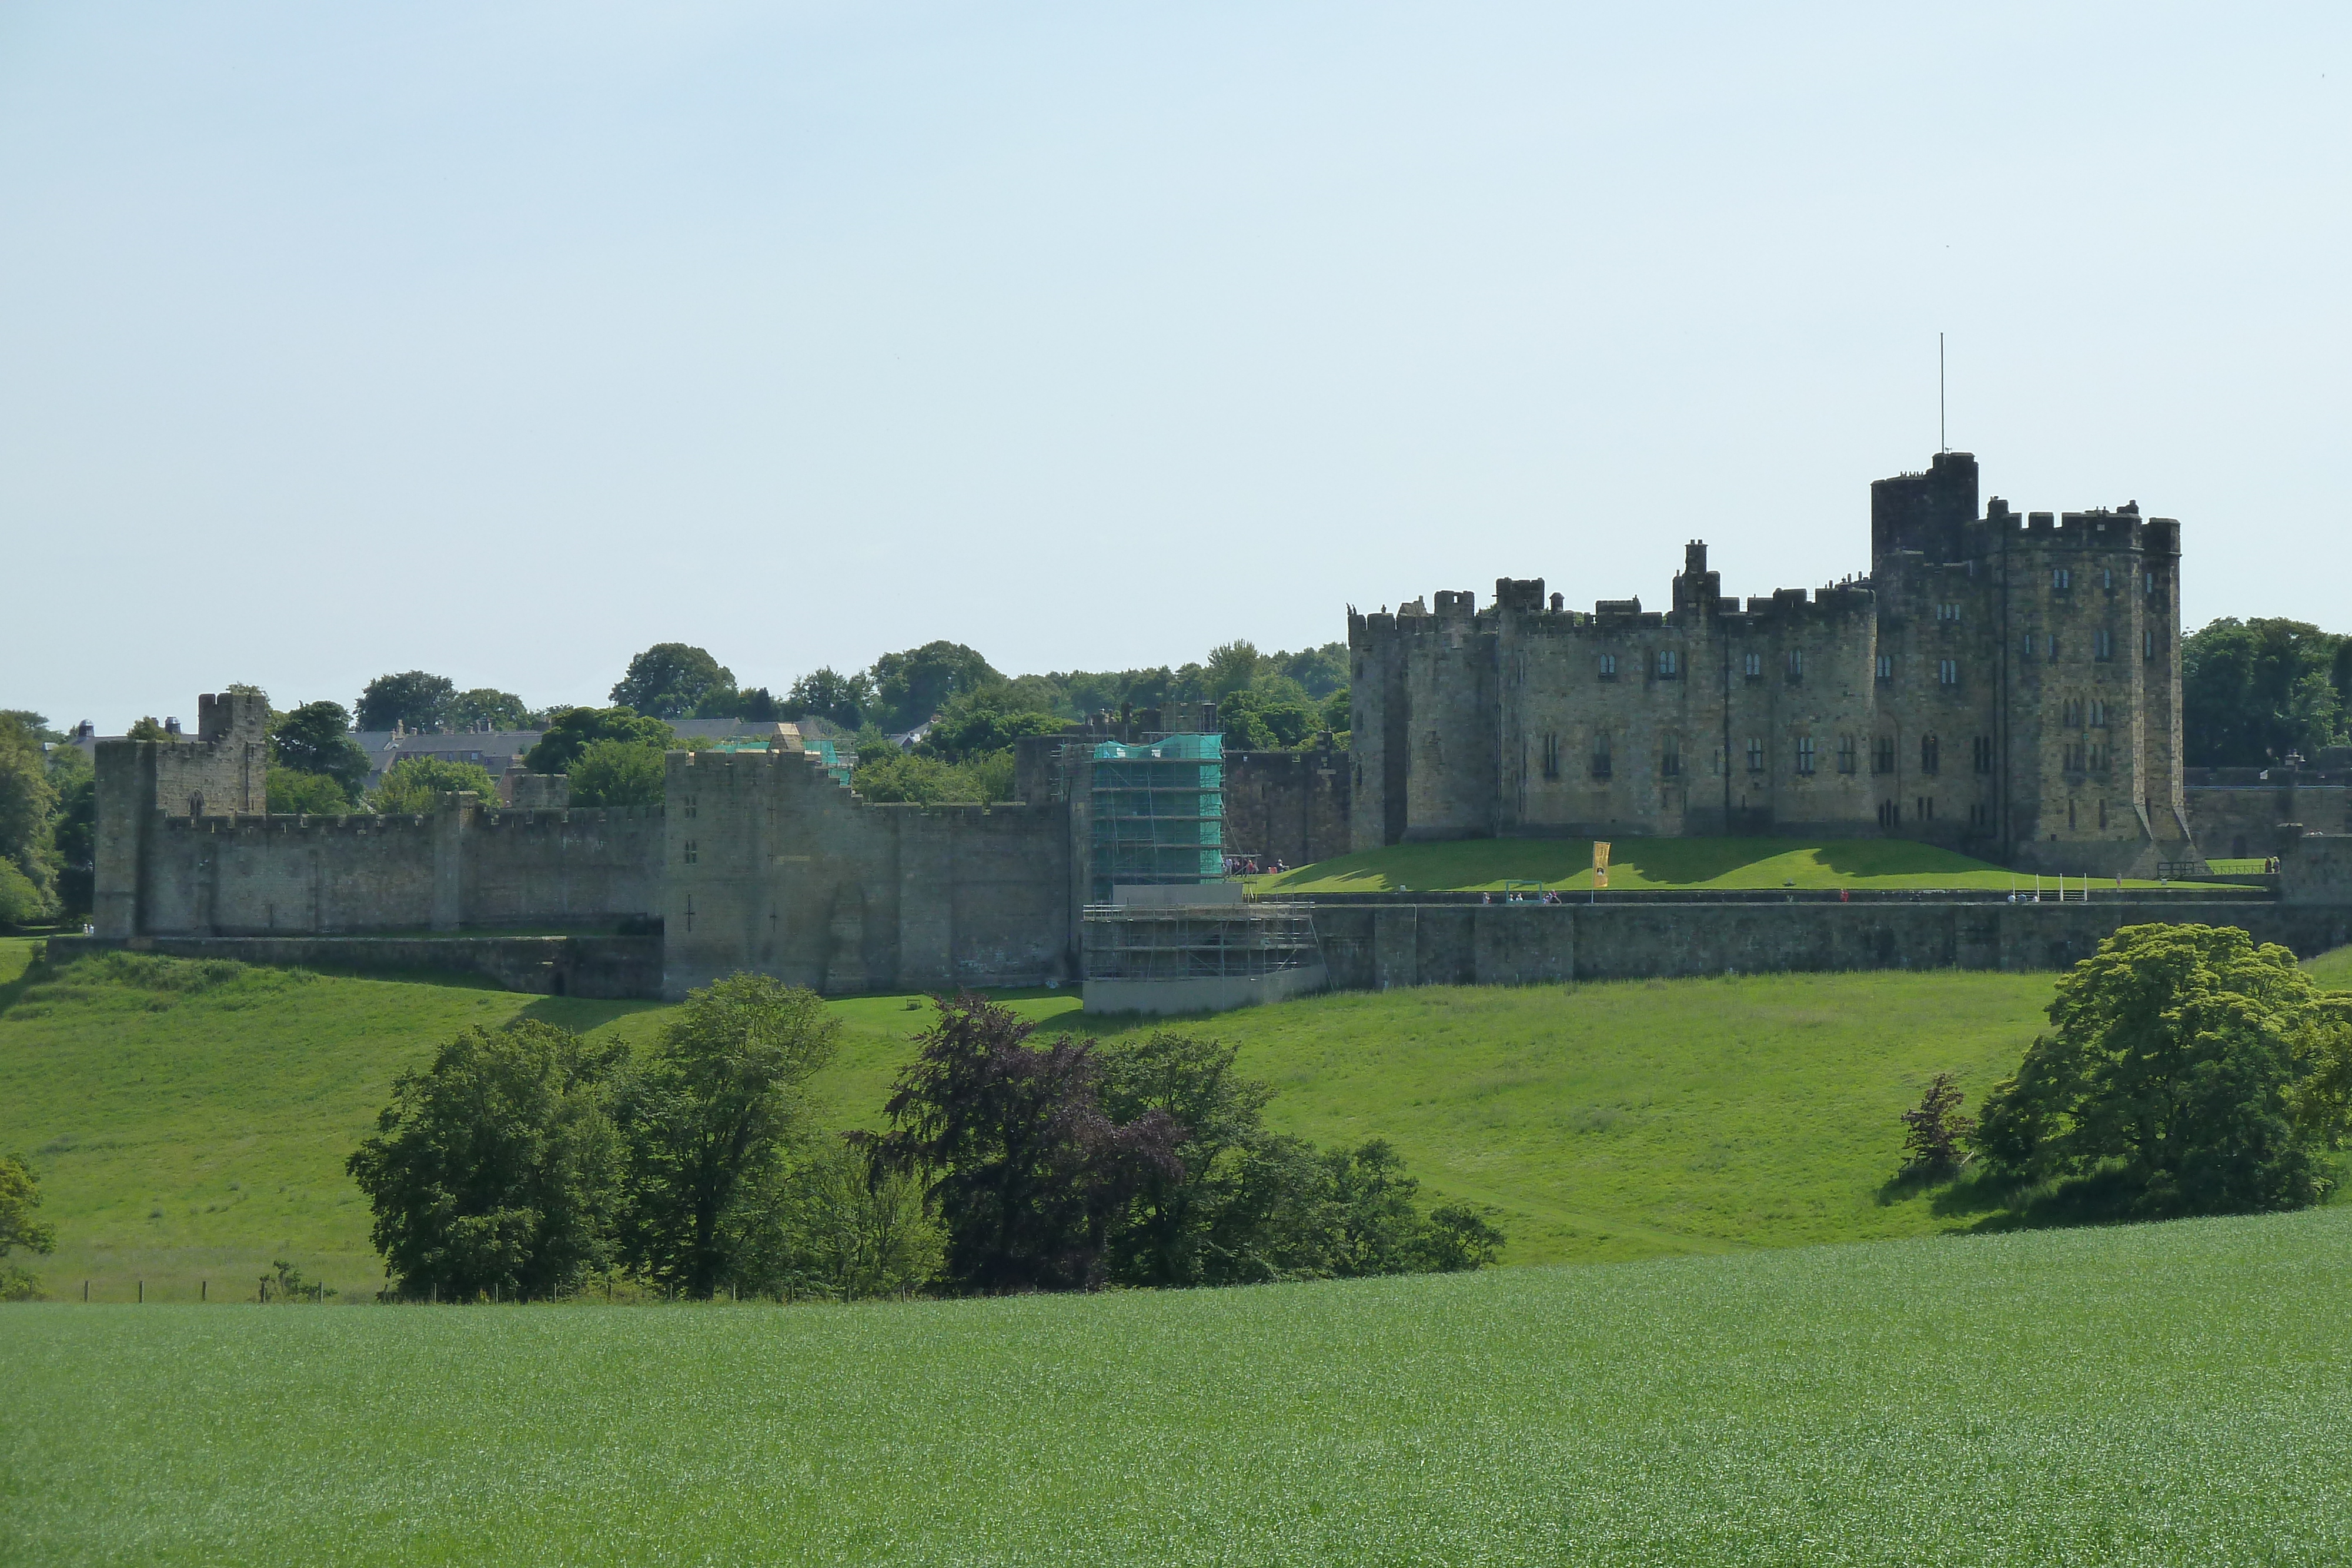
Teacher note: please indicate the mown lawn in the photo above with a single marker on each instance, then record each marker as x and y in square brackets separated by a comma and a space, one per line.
[1485, 864]
[2151, 1395]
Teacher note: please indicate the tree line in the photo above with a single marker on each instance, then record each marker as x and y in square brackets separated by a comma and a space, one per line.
[526, 1163]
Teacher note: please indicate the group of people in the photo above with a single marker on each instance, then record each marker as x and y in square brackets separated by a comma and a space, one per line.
[1246, 865]
[1548, 895]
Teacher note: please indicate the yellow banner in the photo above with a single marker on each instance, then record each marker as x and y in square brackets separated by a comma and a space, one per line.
[1600, 854]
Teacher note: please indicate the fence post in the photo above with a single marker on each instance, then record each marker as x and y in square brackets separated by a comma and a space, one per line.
[204, 1289]
[143, 1292]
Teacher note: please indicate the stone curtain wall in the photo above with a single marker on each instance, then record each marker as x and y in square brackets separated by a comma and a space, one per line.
[1290, 806]
[461, 868]
[2237, 820]
[1371, 947]
[775, 867]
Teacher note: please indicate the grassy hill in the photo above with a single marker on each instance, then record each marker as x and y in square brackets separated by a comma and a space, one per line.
[2149, 1395]
[190, 1121]
[1478, 865]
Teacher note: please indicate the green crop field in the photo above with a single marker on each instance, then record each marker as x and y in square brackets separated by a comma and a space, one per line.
[188, 1132]
[1482, 864]
[2149, 1395]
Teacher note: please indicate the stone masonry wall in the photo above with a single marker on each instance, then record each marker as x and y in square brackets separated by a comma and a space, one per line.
[1290, 806]
[775, 867]
[1377, 946]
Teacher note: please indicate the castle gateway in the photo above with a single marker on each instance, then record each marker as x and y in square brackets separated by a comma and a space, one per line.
[2004, 684]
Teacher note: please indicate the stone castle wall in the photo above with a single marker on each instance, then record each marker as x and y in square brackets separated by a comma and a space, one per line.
[462, 868]
[1291, 806]
[1370, 947]
[775, 867]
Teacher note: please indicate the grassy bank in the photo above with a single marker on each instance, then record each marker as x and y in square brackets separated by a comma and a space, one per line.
[190, 1122]
[1477, 864]
[2151, 1395]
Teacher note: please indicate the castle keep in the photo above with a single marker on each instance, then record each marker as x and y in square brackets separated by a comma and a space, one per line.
[2005, 684]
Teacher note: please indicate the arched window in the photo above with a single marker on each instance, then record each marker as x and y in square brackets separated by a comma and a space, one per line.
[1929, 754]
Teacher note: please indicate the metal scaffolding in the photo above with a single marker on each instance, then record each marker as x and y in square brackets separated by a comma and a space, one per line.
[1157, 813]
[1191, 942]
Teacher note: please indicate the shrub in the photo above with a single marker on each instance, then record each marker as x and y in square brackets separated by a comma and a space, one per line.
[617, 773]
[414, 785]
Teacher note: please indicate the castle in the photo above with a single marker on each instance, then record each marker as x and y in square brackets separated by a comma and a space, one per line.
[2004, 684]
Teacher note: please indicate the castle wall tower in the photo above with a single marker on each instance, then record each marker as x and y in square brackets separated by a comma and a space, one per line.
[224, 772]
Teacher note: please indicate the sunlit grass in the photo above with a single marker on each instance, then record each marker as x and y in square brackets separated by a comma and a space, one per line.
[2142, 1395]
[1487, 864]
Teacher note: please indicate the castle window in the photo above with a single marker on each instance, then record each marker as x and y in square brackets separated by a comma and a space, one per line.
[689, 809]
[1669, 663]
[2108, 582]
[2099, 761]
[2054, 647]
[2061, 580]
[1804, 754]
[1982, 750]
[1845, 754]
[1670, 765]
[1890, 813]
[1882, 756]
[1796, 665]
[1947, 671]
[2148, 643]
[2103, 645]
[1754, 757]
[1552, 756]
[2075, 759]
[2026, 647]
[693, 852]
[1607, 666]
[1600, 755]
[2070, 714]
[1948, 612]
[1752, 666]
[1926, 807]
[1886, 666]
[2148, 585]
[1928, 753]
[2103, 813]
[2098, 714]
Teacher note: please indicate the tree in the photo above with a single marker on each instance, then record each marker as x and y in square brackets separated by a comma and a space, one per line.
[1338, 712]
[712, 1118]
[2179, 1076]
[832, 696]
[670, 680]
[2246, 695]
[28, 803]
[1934, 1131]
[498, 1170]
[832, 1225]
[147, 729]
[412, 700]
[910, 687]
[985, 719]
[1319, 671]
[1025, 1168]
[485, 708]
[20, 1194]
[888, 774]
[1258, 719]
[317, 738]
[314, 794]
[618, 773]
[413, 785]
[1194, 1224]
[574, 730]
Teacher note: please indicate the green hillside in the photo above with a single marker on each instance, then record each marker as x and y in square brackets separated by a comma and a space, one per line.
[2169, 1394]
[1478, 865]
[190, 1122]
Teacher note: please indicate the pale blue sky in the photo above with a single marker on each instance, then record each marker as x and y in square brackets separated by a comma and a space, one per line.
[504, 340]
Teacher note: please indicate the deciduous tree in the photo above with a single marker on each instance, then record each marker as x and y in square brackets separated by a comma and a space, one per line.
[618, 773]
[671, 679]
[498, 1169]
[316, 737]
[712, 1118]
[414, 785]
[572, 730]
[20, 1194]
[411, 700]
[2179, 1070]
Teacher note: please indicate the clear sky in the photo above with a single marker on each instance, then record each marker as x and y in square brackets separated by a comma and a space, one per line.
[505, 340]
